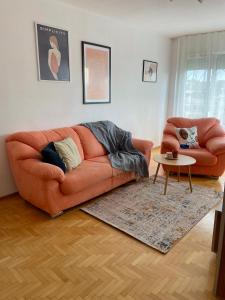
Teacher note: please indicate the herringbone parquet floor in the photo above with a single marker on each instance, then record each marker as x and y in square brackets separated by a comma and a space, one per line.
[78, 257]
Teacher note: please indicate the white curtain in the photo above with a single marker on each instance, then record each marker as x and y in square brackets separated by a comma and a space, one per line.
[199, 89]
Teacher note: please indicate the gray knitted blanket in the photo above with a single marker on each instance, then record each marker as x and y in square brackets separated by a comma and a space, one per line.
[118, 143]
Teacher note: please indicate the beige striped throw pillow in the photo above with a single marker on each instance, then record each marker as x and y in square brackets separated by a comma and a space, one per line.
[68, 152]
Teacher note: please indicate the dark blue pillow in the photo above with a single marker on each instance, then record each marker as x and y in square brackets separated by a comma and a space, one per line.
[184, 146]
[51, 156]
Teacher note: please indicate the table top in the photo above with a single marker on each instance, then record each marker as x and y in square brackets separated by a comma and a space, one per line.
[183, 160]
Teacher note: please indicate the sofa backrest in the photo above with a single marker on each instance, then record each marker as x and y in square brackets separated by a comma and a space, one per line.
[207, 127]
[91, 146]
[39, 139]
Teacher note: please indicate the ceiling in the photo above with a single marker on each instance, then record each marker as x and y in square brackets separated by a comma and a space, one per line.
[172, 19]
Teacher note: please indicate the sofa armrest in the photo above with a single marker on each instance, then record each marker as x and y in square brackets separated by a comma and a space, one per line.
[42, 170]
[144, 146]
[216, 145]
[170, 142]
[19, 151]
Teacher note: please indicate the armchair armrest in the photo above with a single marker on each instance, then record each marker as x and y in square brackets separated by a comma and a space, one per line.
[170, 142]
[42, 170]
[144, 146]
[216, 145]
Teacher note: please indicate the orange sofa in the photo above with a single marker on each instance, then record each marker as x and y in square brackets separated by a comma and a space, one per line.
[46, 186]
[210, 158]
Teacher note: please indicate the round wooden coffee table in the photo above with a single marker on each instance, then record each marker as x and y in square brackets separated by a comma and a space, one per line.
[182, 160]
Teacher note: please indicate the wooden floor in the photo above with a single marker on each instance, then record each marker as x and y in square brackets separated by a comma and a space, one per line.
[78, 257]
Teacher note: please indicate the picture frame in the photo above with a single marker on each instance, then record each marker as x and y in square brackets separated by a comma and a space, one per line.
[96, 73]
[52, 47]
[150, 69]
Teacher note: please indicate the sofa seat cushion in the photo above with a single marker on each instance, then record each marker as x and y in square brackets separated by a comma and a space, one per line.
[105, 159]
[88, 173]
[101, 159]
[203, 156]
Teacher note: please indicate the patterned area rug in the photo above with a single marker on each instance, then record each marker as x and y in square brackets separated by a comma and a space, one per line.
[141, 210]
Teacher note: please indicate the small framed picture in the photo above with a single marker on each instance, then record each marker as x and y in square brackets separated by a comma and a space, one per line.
[149, 71]
[96, 71]
[52, 53]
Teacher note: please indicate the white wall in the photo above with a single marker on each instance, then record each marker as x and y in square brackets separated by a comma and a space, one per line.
[28, 104]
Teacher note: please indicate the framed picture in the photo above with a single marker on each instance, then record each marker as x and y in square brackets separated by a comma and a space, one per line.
[96, 71]
[52, 53]
[149, 71]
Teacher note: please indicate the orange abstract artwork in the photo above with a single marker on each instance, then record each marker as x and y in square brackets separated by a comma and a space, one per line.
[97, 70]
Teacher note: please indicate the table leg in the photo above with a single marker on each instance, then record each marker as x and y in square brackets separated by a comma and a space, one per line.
[167, 175]
[189, 177]
[178, 174]
[156, 174]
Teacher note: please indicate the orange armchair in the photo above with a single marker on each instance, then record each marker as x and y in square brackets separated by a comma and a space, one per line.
[210, 158]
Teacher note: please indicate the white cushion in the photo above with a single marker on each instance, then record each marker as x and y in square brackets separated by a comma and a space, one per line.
[188, 137]
[68, 152]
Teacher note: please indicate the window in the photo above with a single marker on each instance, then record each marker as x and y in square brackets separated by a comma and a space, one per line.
[204, 89]
[200, 85]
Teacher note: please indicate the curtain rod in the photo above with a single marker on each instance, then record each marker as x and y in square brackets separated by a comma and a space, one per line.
[201, 33]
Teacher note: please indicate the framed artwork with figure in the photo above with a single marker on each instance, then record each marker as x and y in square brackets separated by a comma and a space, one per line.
[52, 53]
[96, 71]
[149, 73]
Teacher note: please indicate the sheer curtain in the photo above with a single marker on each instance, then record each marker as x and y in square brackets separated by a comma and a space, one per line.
[199, 89]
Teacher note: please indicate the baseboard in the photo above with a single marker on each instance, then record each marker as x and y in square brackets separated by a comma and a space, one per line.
[9, 195]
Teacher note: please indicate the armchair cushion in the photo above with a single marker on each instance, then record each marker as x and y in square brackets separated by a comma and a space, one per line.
[216, 145]
[203, 156]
